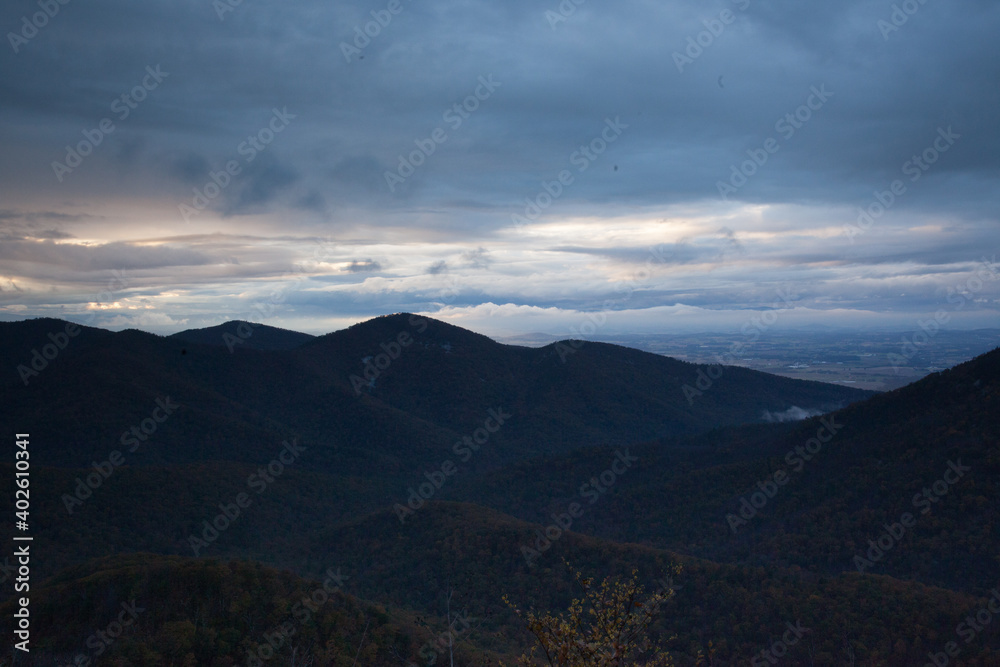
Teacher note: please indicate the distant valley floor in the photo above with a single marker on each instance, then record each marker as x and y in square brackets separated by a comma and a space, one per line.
[880, 361]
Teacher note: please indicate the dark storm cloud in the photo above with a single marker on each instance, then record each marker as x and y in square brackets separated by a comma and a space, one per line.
[264, 181]
[808, 109]
[558, 85]
[438, 267]
[479, 258]
[189, 168]
[312, 201]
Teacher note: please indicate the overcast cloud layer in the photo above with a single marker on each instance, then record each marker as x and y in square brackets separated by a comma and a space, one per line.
[509, 166]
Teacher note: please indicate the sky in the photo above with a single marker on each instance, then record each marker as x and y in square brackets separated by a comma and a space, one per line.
[509, 167]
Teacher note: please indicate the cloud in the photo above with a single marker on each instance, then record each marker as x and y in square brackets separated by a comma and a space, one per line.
[145, 320]
[98, 257]
[259, 185]
[448, 232]
[52, 234]
[478, 259]
[363, 266]
[792, 414]
[191, 168]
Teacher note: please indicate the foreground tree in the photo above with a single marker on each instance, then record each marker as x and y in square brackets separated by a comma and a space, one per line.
[606, 628]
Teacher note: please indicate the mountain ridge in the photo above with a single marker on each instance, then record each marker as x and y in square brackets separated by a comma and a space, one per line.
[360, 392]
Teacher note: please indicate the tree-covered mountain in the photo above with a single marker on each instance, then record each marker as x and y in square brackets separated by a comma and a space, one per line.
[155, 611]
[459, 561]
[440, 471]
[930, 450]
[482, 555]
[389, 394]
[242, 334]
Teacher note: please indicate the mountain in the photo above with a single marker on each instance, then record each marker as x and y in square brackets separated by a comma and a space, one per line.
[561, 396]
[379, 589]
[435, 466]
[389, 394]
[32, 347]
[479, 555]
[930, 449]
[147, 610]
[247, 335]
